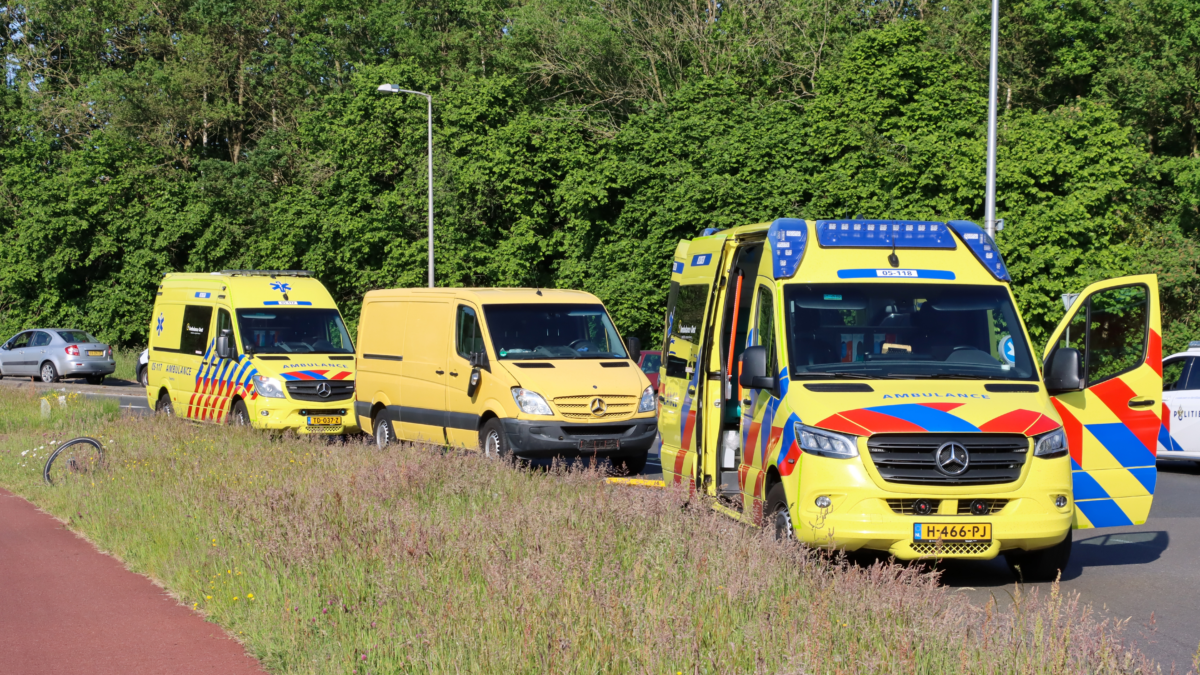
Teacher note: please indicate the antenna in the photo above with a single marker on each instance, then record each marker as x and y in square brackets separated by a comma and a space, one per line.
[893, 260]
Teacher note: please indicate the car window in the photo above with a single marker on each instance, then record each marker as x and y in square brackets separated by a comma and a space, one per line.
[21, 340]
[193, 336]
[76, 336]
[467, 336]
[1189, 379]
[225, 323]
[651, 363]
[40, 339]
[1175, 374]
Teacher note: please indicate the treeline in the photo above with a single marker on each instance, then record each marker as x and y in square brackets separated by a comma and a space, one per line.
[577, 141]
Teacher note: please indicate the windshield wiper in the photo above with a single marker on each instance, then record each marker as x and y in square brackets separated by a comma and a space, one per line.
[853, 376]
[944, 376]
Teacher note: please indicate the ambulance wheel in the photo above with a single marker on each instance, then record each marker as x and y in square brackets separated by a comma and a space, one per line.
[1041, 565]
[778, 514]
[493, 441]
[631, 465]
[49, 373]
[384, 434]
[163, 406]
[239, 416]
[95, 379]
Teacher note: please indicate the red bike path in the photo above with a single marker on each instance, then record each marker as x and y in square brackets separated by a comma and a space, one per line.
[67, 608]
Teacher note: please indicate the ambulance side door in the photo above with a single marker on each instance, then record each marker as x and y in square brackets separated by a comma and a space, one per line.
[759, 405]
[1113, 423]
[693, 273]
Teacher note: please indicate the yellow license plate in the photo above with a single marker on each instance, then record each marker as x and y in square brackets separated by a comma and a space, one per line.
[324, 421]
[93, 352]
[952, 531]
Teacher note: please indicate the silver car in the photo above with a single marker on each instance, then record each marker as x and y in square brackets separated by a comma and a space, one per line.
[53, 353]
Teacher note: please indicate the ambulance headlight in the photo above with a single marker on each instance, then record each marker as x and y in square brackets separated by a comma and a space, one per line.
[268, 386]
[1050, 444]
[531, 402]
[647, 403]
[826, 443]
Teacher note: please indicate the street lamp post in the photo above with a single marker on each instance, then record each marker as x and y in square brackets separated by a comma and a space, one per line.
[393, 89]
[989, 213]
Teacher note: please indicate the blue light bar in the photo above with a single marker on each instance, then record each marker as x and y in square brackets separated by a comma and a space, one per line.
[710, 231]
[788, 237]
[982, 246]
[881, 233]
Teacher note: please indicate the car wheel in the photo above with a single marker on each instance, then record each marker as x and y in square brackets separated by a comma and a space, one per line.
[385, 435]
[493, 441]
[631, 465]
[163, 406]
[95, 379]
[239, 416]
[143, 377]
[1041, 565]
[779, 515]
[49, 373]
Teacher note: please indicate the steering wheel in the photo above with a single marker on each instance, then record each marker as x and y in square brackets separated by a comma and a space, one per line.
[582, 342]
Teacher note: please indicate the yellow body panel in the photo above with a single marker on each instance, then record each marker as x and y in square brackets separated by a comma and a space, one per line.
[415, 372]
[190, 309]
[739, 443]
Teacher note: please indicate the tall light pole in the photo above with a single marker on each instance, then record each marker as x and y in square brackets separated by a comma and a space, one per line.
[393, 89]
[989, 212]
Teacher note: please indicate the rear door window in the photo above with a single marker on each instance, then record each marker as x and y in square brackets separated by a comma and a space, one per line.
[193, 336]
[40, 339]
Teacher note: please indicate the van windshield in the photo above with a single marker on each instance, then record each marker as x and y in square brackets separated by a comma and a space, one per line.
[552, 331]
[294, 330]
[904, 331]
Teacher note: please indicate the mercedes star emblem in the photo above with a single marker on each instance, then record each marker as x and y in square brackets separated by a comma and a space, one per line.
[323, 390]
[952, 459]
[599, 407]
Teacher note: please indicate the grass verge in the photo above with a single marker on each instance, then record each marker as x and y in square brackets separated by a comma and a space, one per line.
[346, 559]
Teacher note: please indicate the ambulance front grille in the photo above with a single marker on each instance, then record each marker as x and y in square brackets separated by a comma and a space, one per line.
[951, 548]
[307, 390]
[910, 459]
[580, 407]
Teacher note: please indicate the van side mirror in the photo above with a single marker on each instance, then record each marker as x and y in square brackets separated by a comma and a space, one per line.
[479, 359]
[224, 344]
[634, 347]
[754, 369]
[1065, 373]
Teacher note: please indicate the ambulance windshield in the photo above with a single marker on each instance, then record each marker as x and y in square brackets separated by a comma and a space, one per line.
[552, 331]
[294, 330]
[904, 331]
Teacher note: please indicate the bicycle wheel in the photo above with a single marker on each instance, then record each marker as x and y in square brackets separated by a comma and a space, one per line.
[78, 456]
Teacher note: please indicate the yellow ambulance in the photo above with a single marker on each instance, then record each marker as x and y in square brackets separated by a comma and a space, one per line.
[266, 348]
[524, 372]
[869, 384]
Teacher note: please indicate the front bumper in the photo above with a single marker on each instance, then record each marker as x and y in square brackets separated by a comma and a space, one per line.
[84, 368]
[282, 413]
[533, 439]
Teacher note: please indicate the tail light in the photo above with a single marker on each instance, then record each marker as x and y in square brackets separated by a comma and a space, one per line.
[108, 352]
[73, 350]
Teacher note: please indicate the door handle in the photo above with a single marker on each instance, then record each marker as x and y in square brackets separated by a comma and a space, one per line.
[440, 372]
[1140, 402]
[453, 374]
[661, 399]
[691, 390]
[746, 401]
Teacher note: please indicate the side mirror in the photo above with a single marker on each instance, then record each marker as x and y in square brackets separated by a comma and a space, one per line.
[1065, 373]
[224, 344]
[634, 347]
[473, 382]
[479, 359]
[754, 369]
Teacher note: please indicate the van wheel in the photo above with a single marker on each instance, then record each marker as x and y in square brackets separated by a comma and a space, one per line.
[239, 416]
[493, 441]
[631, 465]
[384, 434]
[778, 514]
[163, 406]
[1041, 565]
[49, 373]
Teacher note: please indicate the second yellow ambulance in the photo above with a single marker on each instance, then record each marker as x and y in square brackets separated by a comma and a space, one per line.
[869, 384]
[266, 348]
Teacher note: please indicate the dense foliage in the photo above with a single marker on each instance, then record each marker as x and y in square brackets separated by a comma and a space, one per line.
[577, 141]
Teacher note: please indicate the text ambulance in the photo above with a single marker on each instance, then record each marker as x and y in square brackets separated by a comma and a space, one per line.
[261, 347]
[869, 384]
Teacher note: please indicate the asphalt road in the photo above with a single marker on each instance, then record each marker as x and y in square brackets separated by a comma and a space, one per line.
[1148, 573]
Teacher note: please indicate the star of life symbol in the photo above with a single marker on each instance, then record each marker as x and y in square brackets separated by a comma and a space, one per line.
[280, 286]
[158, 329]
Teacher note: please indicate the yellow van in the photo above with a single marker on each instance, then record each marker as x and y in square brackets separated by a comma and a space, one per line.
[531, 373]
[869, 384]
[266, 348]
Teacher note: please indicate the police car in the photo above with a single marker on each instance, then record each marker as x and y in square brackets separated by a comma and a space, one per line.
[1179, 437]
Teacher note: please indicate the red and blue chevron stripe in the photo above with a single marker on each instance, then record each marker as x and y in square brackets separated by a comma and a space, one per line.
[932, 418]
[316, 375]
